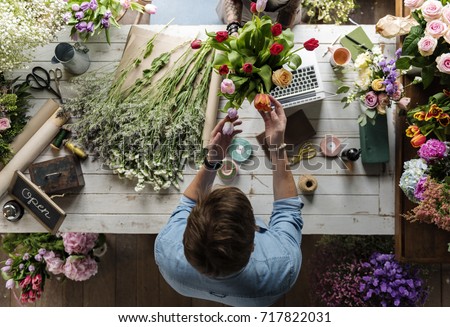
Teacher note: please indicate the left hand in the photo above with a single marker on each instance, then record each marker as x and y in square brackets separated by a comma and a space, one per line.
[219, 142]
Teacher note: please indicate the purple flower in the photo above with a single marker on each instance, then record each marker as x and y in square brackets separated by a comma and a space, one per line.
[433, 150]
[9, 262]
[232, 113]
[81, 27]
[105, 23]
[26, 256]
[79, 15]
[398, 53]
[66, 17]
[420, 188]
[10, 283]
[38, 257]
[6, 269]
[107, 14]
[85, 6]
[93, 4]
[79, 269]
[21, 266]
[42, 251]
[31, 268]
[76, 7]
[371, 100]
[90, 27]
[79, 243]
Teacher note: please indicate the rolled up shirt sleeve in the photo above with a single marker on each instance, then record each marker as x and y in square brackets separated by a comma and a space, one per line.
[286, 218]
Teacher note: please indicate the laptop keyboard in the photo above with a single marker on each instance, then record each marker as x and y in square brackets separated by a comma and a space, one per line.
[301, 90]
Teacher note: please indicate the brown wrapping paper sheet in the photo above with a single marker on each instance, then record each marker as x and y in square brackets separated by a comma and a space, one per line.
[31, 150]
[166, 41]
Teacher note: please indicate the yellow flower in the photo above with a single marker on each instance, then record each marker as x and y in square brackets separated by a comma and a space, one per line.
[377, 85]
[282, 77]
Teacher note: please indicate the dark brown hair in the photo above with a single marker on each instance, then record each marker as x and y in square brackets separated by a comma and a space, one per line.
[220, 232]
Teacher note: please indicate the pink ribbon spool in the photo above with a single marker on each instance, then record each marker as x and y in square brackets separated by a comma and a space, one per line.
[330, 146]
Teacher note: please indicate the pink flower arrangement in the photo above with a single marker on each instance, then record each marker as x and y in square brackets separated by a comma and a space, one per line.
[33, 257]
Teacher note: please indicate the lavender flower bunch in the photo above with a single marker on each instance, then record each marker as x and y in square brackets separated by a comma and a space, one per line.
[385, 282]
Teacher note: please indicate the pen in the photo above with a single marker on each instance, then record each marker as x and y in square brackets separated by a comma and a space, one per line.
[356, 42]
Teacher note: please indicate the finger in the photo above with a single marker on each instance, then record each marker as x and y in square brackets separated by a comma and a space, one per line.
[236, 132]
[219, 126]
[264, 116]
[278, 107]
[237, 122]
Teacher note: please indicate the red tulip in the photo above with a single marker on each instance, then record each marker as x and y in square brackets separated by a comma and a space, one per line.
[311, 44]
[196, 44]
[224, 70]
[276, 29]
[276, 49]
[247, 68]
[221, 36]
[418, 140]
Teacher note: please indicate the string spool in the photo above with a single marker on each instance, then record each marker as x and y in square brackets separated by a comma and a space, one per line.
[75, 150]
[307, 183]
[228, 171]
[59, 138]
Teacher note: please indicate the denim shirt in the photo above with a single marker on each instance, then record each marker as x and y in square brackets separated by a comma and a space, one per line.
[272, 270]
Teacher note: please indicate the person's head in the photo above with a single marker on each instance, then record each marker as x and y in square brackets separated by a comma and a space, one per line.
[220, 231]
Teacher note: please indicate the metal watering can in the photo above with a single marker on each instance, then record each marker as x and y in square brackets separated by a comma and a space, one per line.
[74, 58]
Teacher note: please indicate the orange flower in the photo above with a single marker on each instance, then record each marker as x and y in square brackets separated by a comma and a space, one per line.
[444, 119]
[433, 112]
[262, 102]
[419, 115]
[412, 130]
[418, 140]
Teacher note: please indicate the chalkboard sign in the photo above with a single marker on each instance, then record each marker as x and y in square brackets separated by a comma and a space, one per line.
[37, 202]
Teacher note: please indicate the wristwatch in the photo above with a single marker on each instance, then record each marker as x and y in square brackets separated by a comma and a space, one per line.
[212, 166]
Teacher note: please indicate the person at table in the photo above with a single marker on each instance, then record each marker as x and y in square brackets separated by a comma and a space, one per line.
[214, 248]
[235, 13]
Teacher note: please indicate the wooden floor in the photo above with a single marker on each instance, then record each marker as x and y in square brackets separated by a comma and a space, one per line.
[129, 277]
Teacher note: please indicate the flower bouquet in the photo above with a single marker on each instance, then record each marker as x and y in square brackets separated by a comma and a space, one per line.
[89, 17]
[376, 86]
[426, 181]
[252, 63]
[13, 108]
[25, 26]
[432, 118]
[427, 45]
[32, 257]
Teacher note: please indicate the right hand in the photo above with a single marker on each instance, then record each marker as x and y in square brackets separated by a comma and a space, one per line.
[275, 124]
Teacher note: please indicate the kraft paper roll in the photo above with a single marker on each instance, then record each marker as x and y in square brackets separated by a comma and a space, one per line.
[211, 107]
[31, 150]
[35, 123]
[307, 183]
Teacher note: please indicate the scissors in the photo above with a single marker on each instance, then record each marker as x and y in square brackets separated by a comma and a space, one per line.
[306, 151]
[40, 79]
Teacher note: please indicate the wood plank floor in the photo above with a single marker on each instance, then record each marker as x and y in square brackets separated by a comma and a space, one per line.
[129, 277]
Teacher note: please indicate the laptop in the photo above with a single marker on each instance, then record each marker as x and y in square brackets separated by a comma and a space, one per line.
[306, 86]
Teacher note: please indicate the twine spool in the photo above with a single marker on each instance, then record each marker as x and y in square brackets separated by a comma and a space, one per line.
[228, 171]
[307, 183]
[60, 137]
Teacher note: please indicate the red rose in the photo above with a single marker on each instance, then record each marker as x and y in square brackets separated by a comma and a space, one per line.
[196, 44]
[223, 70]
[276, 49]
[253, 8]
[277, 29]
[311, 44]
[247, 68]
[221, 36]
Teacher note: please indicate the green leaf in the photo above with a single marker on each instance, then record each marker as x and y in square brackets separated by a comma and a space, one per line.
[410, 43]
[371, 113]
[428, 75]
[403, 63]
[295, 61]
[251, 96]
[236, 59]
[221, 59]
[343, 89]
[266, 76]
[362, 120]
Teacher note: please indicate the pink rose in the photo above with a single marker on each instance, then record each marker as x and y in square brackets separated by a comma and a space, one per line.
[4, 124]
[371, 100]
[383, 103]
[443, 63]
[426, 45]
[436, 28]
[431, 10]
[150, 9]
[445, 15]
[227, 86]
[413, 4]
[447, 36]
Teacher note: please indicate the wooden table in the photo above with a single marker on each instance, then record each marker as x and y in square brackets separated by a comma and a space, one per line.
[357, 199]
